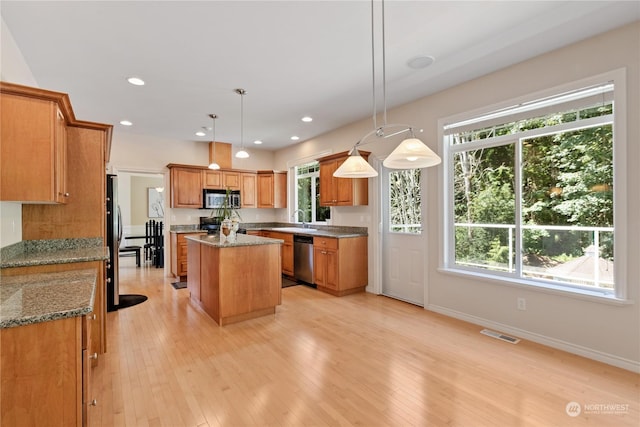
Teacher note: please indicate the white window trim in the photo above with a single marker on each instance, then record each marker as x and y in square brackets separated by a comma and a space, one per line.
[446, 264]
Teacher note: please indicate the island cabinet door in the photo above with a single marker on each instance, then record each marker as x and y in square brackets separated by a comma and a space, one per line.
[193, 265]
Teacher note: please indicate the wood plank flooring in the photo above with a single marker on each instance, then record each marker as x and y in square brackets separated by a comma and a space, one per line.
[323, 361]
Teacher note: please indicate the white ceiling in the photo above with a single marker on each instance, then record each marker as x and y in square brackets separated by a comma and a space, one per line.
[293, 58]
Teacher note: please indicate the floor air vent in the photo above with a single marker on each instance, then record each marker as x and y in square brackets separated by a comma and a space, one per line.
[500, 336]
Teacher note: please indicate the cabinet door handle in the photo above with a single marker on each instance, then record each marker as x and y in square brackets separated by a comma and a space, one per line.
[66, 194]
[94, 402]
[94, 356]
[93, 316]
[108, 279]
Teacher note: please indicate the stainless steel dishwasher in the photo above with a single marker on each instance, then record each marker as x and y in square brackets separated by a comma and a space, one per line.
[303, 258]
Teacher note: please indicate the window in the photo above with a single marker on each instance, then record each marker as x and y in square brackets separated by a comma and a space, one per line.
[405, 215]
[531, 192]
[308, 194]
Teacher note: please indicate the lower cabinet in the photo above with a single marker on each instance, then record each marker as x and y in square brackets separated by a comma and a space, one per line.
[98, 318]
[340, 266]
[179, 253]
[46, 373]
[286, 250]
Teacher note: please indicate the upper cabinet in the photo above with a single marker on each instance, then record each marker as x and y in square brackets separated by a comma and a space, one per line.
[221, 180]
[341, 191]
[187, 183]
[248, 195]
[33, 145]
[272, 189]
[186, 187]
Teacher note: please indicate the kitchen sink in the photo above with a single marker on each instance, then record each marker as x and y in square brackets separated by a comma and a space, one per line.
[294, 229]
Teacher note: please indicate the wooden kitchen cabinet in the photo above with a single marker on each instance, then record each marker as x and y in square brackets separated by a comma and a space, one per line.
[179, 266]
[46, 373]
[221, 179]
[341, 191]
[98, 317]
[231, 180]
[272, 189]
[212, 179]
[340, 266]
[286, 249]
[193, 261]
[33, 144]
[186, 187]
[248, 194]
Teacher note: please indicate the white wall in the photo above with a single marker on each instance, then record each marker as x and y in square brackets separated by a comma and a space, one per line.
[610, 333]
[14, 69]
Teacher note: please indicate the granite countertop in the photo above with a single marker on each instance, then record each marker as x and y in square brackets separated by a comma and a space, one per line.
[241, 240]
[334, 231]
[34, 298]
[55, 251]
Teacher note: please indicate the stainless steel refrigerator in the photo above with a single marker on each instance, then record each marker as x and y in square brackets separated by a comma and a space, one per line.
[114, 236]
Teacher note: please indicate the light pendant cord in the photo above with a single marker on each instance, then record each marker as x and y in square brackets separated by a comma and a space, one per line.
[373, 69]
[384, 72]
[242, 120]
[213, 116]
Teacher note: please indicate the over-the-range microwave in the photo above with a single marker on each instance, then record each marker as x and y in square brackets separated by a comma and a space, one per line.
[214, 199]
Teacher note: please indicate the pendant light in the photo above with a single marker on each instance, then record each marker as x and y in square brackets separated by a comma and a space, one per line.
[242, 154]
[213, 165]
[410, 154]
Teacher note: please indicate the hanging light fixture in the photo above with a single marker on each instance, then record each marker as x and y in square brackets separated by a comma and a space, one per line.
[410, 154]
[213, 164]
[242, 154]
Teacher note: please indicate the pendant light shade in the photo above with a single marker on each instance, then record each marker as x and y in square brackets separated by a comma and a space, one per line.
[213, 165]
[411, 154]
[242, 154]
[355, 167]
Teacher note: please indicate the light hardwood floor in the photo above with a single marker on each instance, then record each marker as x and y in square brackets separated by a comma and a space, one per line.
[356, 360]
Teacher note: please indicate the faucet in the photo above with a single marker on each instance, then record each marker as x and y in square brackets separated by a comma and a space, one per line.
[294, 215]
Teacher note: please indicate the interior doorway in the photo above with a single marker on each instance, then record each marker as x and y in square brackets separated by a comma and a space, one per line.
[141, 196]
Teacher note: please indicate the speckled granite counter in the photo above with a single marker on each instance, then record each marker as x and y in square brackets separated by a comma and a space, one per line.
[35, 298]
[334, 231]
[326, 231]
[241, 240]
[56, 251]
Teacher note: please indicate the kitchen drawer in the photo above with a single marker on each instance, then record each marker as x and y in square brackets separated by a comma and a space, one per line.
[325, 242]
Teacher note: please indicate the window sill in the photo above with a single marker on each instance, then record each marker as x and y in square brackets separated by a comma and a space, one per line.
[576, 293]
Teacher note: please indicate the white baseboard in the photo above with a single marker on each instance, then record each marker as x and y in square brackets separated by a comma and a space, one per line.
[589, 353]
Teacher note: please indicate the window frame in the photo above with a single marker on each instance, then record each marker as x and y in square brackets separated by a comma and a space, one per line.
[389, 225]
[315, 178]
[447, 220]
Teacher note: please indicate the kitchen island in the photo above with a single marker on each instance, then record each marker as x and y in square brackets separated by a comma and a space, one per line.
[236, 281]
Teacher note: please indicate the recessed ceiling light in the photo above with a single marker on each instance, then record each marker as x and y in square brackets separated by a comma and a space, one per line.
[136, 81]
[420, 62]
[307, 119]
[200, 133]
[295, 138]
[257, 142]
[125, 123]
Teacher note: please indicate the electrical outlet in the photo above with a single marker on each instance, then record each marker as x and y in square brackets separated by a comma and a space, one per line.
[522, 304]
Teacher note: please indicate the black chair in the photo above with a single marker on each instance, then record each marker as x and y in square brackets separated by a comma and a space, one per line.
[131, 249]
[154, 243]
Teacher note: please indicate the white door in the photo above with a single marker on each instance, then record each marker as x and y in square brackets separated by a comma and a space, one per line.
[403, 246]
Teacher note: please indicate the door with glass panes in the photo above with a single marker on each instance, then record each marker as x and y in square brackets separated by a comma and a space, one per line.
[403, 253]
